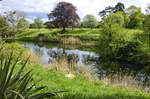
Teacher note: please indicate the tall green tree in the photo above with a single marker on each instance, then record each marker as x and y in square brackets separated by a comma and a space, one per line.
[116, 51]
[4, 27]
[38, 23]
[109, 37]
[147, 26]
[126, 18]
[13, 18]
[23, 25]
[90, 21]
[136, 17]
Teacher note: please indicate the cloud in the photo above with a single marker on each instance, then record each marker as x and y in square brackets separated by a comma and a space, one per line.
[38, 8]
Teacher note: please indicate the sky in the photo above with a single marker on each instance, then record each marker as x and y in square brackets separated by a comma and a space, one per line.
[40, 8]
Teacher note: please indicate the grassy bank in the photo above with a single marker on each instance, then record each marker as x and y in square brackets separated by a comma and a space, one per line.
[54, 34]
[80, 87]
[79, 36]
[84, 34]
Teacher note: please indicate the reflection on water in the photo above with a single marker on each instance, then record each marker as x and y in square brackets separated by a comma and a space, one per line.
[49, 54]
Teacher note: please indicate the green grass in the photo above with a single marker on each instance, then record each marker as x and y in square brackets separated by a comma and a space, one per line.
[80, 87]
[85, 34]
[82, 33]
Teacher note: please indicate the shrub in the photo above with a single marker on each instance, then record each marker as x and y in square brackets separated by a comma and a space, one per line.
[18, 85]
[17, 49]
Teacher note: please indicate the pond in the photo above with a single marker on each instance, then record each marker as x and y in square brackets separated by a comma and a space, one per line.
[84, 56]
[49, 51]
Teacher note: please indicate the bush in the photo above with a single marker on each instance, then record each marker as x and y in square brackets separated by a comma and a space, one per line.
[18, 85]
[15, 47]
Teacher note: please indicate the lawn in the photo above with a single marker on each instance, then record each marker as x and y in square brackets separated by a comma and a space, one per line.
[80, 87]
[84, 34]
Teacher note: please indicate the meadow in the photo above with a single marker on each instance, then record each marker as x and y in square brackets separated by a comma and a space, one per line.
[54, 35]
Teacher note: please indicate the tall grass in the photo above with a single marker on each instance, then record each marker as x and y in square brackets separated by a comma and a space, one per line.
[70, 40]
[121, 81]
[115, 80]
[62, 64]
[34, 57]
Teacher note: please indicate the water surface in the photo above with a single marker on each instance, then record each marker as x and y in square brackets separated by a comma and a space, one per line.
[50, 51]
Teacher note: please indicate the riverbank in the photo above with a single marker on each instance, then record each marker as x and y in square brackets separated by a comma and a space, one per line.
[54, 35]
[81, 86]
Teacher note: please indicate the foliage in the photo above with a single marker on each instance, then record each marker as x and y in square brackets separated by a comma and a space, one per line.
[13, 18]
[64, 15]
[81, 88]
[38, 23]
[7, 49]
[18, 85]
[109, 37]
[49, 25]
[148, 9]
[23, 25]
[125, 17]
[119, 7]
[117, 51]
[4, 27]
[136, 17]
[147, 27]
[133, 57]
[90, 21]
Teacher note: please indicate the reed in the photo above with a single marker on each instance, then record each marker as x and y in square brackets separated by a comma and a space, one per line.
[62, 64]
[70, 40]
[127, 80]
[34, 57]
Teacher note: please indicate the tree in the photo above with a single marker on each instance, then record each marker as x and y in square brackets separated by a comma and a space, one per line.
[110, 25]
[148, 9]
[49, 25]
[64, 15]
[4, 27]
[13, 18]
[119, 7]
[136, 17]
[23, 25]
[126, 18]
[116, 51]
[38, 23]
[146, 26]
[90, 21]
[109, 36]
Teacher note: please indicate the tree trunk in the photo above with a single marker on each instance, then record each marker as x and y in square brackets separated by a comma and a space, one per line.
[64, 30]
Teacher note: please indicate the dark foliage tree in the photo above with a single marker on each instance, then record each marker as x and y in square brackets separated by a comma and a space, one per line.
[119, 7]
[64, 15]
